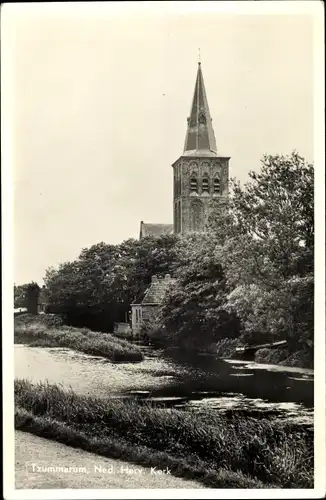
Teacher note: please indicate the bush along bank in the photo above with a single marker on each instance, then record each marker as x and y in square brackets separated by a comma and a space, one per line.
[226, 349]
[220, 451]
[301, 358]
[49, 331]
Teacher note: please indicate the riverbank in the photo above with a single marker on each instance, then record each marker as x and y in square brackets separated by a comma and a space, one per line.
[49, 331]
[93, 471]
[218, 451]
[302, 358]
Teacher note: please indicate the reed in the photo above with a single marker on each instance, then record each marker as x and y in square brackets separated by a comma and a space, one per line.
[263, 451]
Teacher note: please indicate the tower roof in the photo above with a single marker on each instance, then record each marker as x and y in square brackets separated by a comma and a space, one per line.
[200, 138]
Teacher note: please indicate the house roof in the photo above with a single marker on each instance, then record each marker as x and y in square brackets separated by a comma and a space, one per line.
[148, 229]
[156, 290]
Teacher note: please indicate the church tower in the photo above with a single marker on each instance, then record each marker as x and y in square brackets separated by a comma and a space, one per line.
[200, 174]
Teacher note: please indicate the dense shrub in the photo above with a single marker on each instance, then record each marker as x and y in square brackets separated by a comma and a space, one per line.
[47, 320]
[301, 358]
[226, 348]
[273, 356]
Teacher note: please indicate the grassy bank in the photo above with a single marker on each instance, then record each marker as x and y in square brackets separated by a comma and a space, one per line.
[302, 358]
[49, 331]
[220, 451]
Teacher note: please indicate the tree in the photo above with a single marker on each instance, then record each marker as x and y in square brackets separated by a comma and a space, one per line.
[82, 290]
[193, 314]
[147, 257]
[268, 249]
[20, 295]
[32, 292]
[98, 287]
[26, 296]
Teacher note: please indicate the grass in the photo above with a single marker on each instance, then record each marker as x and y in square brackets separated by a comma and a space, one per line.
[48, 331]
[219, 451]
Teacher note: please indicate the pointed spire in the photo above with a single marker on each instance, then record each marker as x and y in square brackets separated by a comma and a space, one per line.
[200, 134]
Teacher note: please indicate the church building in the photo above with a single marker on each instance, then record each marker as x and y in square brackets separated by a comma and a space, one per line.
[200, 174]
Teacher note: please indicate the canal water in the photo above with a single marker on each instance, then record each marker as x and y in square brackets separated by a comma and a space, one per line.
[173, 380]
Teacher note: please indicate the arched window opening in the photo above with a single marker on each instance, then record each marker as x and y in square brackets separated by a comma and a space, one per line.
[176, 217]
[193, 185]
[179, 218]
[205, 185]
[217, 186]
[197, 212]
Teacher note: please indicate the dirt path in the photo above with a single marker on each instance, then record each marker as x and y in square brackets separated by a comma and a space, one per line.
[34, 456]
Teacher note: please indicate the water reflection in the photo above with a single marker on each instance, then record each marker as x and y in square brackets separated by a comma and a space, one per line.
[199, 383]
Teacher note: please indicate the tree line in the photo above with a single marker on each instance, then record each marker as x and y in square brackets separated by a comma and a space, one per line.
[249, 274]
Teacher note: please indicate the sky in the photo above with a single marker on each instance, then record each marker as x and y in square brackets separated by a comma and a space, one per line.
[100, 100]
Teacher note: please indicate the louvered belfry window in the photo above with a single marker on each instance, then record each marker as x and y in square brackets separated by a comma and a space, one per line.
[193, 185]
[205, 185]
[217, 186]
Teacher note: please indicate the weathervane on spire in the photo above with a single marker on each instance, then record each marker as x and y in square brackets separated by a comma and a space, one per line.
[199, 61]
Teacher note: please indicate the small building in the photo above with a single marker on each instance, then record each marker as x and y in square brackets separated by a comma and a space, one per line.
[147, 307]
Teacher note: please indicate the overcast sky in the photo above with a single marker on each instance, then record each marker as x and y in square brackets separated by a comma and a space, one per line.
[100, 106]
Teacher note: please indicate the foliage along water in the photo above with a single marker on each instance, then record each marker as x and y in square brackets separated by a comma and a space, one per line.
[175, 380]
